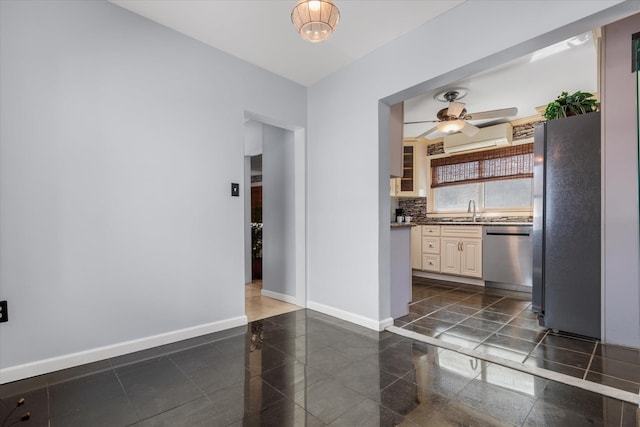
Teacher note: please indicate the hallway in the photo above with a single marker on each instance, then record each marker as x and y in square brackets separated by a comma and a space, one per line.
[259, 307]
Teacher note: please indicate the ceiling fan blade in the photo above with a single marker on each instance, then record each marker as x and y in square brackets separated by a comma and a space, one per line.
[469, 129]
[422, 121]
[492, 114]
[423, 134]
[455, 109]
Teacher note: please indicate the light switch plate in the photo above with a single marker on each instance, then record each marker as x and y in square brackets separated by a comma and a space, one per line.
[4, 313]
[235, 189]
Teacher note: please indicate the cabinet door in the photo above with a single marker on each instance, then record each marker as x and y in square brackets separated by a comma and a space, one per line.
[471, 258]
[408, 180]
[416, 247]
[450, 255]
[413, 181]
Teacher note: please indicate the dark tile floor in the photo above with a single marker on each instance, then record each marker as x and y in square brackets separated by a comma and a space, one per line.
[307, 369]
[501, 323]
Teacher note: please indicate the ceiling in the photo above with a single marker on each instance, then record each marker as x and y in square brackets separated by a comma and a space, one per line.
[260, 32]
[525, 83]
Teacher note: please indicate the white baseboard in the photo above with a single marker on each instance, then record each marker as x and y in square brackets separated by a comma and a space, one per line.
[448, 277]
[31, 369]
[281, 297]
[376, 325]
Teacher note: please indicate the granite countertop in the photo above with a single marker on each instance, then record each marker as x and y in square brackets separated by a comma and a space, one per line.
[403, 224]
[479, 221]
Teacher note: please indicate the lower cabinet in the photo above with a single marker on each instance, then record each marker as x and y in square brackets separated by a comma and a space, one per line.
[431, 263]
[450, 255]
[416, 247]
[461, 250]
[431, 248]
[448, 249]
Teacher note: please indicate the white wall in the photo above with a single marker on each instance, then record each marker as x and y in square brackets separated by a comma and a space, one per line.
[347, 260]
[621, 302]
[119, 139]
[278, 214]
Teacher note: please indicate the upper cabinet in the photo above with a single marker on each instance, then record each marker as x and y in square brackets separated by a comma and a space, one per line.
[395, 140]
[413, 182]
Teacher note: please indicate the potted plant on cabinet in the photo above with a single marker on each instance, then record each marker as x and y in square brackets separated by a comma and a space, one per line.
[570, 105]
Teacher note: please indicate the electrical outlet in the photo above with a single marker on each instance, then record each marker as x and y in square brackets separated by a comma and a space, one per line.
[4, 314]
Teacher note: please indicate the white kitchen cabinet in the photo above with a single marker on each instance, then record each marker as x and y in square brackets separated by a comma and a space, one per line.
[431, 245]
[461, 250]
[471, 258]
[431, 263]
[413, 182]
[450, 255]
[430, 257]
[431, 230]
[416, 247]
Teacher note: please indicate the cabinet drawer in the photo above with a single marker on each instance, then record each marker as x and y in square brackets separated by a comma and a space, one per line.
[430, 230]
[431, 262]
[431, 245]
[462, 230]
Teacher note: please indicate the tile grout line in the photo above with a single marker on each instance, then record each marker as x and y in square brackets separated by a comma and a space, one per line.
[501, 298]
[499, 329]
[441, 308]
[532, 370]
[593, 353]
[460, 321]
[536, 346]
[133, 407]
[528, 355]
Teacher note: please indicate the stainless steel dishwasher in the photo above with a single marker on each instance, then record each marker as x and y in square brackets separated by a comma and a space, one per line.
[507, 257]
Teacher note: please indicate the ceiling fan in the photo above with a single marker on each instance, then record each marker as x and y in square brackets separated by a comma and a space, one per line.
[454, 118]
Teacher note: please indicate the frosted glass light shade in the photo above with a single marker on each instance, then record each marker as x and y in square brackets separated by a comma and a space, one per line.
[315, 20]
[450, 126]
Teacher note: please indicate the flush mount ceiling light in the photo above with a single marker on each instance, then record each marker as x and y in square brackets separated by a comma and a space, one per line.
[315, 20]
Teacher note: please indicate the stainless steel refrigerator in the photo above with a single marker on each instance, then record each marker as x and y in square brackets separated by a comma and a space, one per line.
[566, 289]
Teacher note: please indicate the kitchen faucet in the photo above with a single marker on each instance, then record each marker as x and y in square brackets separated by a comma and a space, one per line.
[472, 203]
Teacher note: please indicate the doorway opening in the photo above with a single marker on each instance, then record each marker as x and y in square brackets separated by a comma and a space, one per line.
[256, 219]
[274, 220]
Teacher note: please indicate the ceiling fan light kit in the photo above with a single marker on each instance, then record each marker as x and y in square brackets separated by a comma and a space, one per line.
[315, 20]
[450, 126]
[454, 118]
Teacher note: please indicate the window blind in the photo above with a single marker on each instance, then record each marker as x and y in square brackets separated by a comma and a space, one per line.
[492, 165]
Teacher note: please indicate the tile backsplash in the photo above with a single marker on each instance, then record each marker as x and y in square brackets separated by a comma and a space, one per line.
[416, 207]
